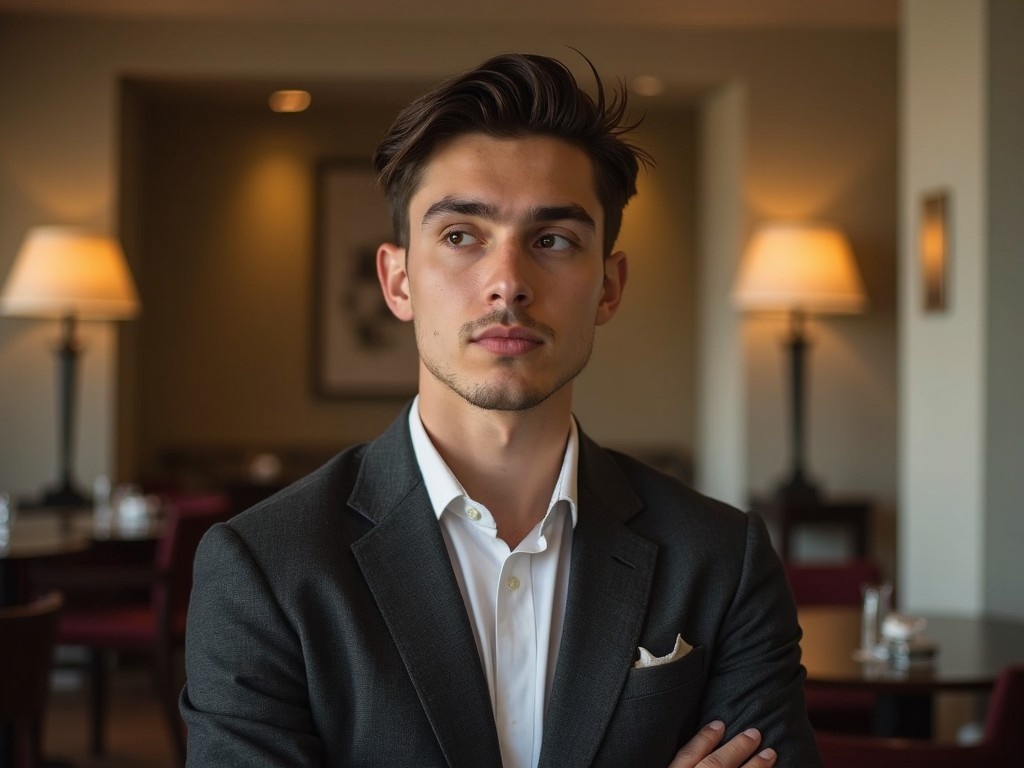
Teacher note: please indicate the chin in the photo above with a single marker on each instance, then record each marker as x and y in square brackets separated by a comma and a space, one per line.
[504, 398]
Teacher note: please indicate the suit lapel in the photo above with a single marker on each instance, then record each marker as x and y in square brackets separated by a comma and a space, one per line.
[609, 585]
[406, 565]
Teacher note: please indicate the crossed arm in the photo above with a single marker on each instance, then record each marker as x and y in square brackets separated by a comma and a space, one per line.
[755, 677]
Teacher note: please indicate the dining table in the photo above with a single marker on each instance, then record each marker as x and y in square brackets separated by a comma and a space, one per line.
[48, 541]
[969, 654]
[35, 536]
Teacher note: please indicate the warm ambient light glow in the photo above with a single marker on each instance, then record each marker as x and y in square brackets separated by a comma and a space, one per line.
[69, 272]
[934, 250]
[647, 85]
[290, 101]
[802, 267]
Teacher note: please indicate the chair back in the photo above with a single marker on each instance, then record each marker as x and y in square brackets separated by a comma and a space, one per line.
[186, 520]
[27, 636]
[831, 583]
[1004, 724]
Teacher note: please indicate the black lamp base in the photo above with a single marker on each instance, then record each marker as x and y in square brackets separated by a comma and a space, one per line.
[65, 495]
[798, 490]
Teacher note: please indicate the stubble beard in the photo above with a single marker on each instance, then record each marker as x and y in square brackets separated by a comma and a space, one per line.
[512, 394]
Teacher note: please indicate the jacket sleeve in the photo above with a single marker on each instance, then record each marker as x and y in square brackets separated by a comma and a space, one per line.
[756, 678]
[245, 700]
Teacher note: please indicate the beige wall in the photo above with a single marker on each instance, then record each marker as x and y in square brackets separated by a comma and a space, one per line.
[1004, 417]
[225, 207]
[721, 386]
[225, 245]
[943, 381]
[820, 133]
[962, 413]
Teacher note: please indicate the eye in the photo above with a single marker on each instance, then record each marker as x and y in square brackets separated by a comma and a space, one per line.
[552, 242]
[459, 239]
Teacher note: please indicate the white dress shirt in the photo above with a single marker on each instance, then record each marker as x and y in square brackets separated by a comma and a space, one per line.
[515, 599]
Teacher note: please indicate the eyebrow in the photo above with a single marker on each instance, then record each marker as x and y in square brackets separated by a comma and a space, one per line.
[479, 209]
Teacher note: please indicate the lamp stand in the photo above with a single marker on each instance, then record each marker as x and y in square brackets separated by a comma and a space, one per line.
[797, 488]
[64, 494]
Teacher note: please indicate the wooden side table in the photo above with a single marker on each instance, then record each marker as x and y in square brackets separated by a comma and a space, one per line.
[853, 514]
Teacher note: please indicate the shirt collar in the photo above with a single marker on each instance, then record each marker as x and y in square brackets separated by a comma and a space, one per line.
[443, 487]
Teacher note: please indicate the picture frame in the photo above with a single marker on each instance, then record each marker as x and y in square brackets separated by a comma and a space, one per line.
[934, 250]
[360, 350]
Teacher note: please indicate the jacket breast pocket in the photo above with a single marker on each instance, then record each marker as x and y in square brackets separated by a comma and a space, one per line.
[657, 707]
[651, 681]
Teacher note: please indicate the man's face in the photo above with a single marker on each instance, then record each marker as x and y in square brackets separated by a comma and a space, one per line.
[504, 278]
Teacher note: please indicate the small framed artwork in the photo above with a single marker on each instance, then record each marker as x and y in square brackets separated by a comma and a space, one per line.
[934, 250]
[359, 348]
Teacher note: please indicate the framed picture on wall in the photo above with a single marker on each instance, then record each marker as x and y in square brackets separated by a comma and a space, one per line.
[359, 348]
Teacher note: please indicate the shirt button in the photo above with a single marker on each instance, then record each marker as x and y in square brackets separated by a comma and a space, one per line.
[513, 583]
[474, 514]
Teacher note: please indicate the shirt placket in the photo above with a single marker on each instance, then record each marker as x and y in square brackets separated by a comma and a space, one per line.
[516, 660]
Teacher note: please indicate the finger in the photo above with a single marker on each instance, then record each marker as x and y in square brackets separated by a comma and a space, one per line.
[735, 753]
[700, 746]
[765, 758]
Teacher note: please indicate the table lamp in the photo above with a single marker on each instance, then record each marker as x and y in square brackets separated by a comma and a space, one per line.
[800, 269]
[70, 274]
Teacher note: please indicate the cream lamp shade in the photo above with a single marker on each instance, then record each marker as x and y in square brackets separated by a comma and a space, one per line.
[69, 272]
[799, 267]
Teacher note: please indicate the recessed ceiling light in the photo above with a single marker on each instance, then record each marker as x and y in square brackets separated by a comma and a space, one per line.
[290, 101]
[647, 85]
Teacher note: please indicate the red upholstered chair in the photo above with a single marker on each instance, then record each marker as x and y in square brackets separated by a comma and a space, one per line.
[830, 583]
[27, 636]
[157, 627]
[835, 584]
[1002, 746]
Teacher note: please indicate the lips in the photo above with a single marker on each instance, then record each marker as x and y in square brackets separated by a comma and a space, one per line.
[508, 342]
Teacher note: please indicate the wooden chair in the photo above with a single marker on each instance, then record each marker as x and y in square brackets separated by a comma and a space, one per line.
[1003, 744]
[157, 627]
[27, 635]
[835, 584]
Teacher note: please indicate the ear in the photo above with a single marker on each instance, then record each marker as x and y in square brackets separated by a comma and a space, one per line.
[394, 280]
[616, 270]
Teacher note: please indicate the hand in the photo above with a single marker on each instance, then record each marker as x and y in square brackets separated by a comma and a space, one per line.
[700, 752]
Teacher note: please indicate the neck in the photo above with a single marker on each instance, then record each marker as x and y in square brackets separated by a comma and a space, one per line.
[507, 460]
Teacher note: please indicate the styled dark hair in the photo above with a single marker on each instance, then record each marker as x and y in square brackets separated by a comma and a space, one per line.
[507, 96]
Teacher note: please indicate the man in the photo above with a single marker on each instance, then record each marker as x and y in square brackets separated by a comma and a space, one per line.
[482, 585]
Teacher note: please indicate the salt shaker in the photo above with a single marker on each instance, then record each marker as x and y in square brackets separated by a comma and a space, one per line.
[884, 604]
[6, 518]
[102, 511]
[869, 620]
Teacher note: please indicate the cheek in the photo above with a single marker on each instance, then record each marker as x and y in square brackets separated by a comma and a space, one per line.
[584, 294]
[440, 294]
[436, 305]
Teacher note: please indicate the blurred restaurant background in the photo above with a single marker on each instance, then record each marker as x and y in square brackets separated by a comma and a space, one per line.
[254, 348]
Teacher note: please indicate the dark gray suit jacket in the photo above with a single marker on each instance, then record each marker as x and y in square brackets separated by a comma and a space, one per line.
[327, 628]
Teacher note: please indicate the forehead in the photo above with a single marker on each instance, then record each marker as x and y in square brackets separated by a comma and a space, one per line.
[515, 173]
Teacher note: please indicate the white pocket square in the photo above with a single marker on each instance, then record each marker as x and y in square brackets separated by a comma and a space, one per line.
[648, 659]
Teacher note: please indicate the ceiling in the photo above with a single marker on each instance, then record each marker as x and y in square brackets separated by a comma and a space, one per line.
[681, 13]
[696, 14]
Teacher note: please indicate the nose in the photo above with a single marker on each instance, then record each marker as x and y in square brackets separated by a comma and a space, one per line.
[508, 278]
